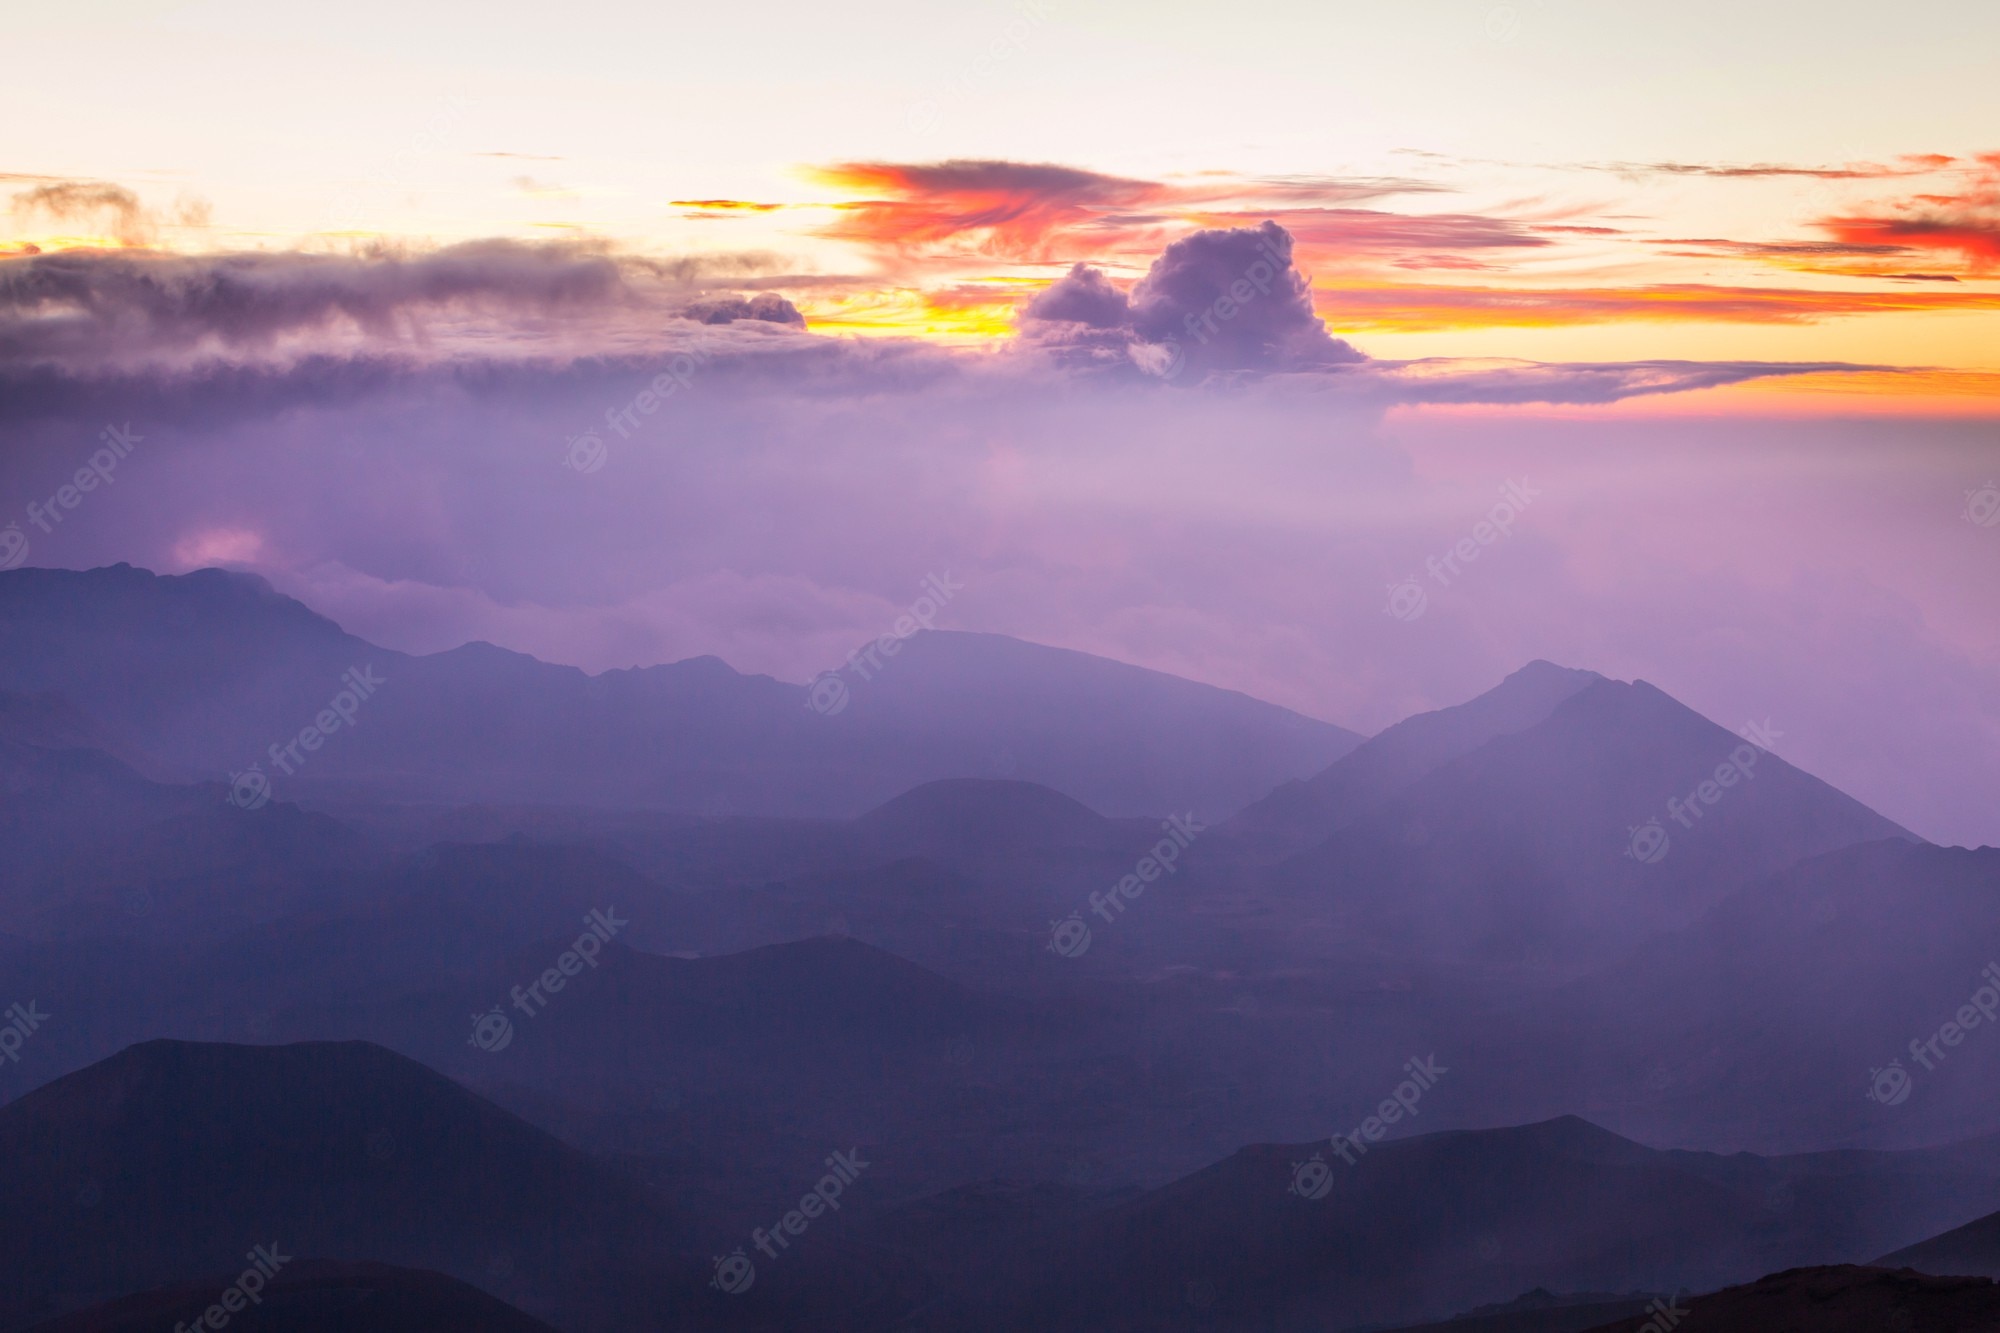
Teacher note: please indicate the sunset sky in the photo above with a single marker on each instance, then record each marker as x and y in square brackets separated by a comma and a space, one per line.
[1549, 181]
[393, 297]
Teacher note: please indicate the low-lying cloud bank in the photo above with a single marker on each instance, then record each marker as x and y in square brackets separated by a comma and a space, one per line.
[609, 463]
[1216, 309]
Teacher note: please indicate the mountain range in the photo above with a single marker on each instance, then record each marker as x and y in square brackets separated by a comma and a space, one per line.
[554, 991]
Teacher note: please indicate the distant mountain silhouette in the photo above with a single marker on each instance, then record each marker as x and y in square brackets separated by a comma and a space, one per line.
[314, 1296]
[210, 670]
[1301, 813]
[1424, 1226]
[1530, 842]
[93, 847]
[1759, 1025]
[960, 818]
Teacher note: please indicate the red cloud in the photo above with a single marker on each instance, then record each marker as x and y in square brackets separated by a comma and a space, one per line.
[1432, 307]
[1035, 211]
[1433, 240]
[1965, 223]
[1012, 209]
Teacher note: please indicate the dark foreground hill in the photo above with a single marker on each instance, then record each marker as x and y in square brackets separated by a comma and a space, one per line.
[1296, 1238]
[1844, 1299]
[173, 1159]
[313, 1296]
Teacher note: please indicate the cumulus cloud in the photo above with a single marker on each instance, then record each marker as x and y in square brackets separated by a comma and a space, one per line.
[767, 307]
[236, 335]
[1227, 299]
[1236, 302]
[1083, 296]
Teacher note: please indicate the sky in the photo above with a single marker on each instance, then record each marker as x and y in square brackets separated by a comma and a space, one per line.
[1183, 334]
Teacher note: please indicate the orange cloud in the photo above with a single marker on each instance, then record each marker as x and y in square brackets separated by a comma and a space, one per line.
[1966, 223]
[724, 205]
[1042, 212]
[1013, 210]
[1412, 309]
[1910, 164]
[1409, 240]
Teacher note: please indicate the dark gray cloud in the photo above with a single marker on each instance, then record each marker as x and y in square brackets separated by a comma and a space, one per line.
[1082, 296]
[1222, 300]
[768, 307]
[1235, 302]
[146, 310]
